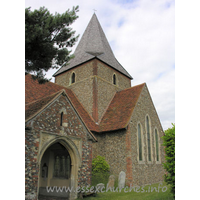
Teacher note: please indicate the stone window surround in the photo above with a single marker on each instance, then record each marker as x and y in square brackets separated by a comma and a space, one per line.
[63, 110]
[116, 80]
[157, 162]
[142, 138]
[70, 78]
[61, 118]
[150, 133]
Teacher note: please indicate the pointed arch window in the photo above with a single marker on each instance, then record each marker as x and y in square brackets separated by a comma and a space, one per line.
[140, 142]
[61, 119]
[157, 145]
[114, 79]
[148, 139]
[62, 165]
[73, 78]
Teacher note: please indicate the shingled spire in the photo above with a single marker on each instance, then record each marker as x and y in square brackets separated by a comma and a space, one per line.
[94, 44]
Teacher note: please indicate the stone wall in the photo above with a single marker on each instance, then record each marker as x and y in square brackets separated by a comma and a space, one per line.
[31, 165]
[94, 85]
[106, 73]
[83, 90]
[112, 146]
[106, 92]
[84, 83]
[120, 148]
[46, 126]
[82, 72]
[145, 172]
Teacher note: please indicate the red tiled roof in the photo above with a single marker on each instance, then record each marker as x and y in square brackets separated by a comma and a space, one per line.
[35, 91]
[120, 109]
[116, 117]
[34, 107]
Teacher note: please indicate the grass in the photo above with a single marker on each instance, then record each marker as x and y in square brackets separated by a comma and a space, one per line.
[141, 193]
[100, 177]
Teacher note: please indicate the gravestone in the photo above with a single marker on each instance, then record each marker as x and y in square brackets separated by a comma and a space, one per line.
[121, 180]
[111, 181]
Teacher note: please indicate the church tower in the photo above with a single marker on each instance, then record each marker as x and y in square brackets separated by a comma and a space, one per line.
[94, 74]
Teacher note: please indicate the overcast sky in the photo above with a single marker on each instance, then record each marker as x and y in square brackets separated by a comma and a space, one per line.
[141, 35]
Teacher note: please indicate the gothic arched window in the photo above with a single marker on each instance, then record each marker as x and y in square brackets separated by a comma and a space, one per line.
[140, 142]
[114, 79]
[157, 145]
[62, 165]
[148, 139]
[61, 118]
[73, 78]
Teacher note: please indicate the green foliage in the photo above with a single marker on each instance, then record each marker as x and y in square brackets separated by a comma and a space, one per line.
[99, 164]
[133, 195]
[47, 39]
[100, 178]
[100, 170]
[169, 165]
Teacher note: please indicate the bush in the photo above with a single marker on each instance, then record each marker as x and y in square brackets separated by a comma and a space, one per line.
[100, 170]
[169, 165]
[100, 178]
[99, 164]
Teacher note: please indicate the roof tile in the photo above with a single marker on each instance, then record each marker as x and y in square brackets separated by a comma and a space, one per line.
[116, 117]
[94, 44]
[35, 106]
[120, 109]
[35, 91]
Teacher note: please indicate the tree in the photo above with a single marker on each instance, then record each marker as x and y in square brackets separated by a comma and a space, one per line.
[169, 165]
[47, 39]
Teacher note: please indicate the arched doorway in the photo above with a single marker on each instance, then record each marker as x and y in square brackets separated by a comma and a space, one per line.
[59, 162]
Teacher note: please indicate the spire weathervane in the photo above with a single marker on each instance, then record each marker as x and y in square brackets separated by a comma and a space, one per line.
[94, 10]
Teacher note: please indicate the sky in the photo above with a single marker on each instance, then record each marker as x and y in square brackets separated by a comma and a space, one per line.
[141, 34]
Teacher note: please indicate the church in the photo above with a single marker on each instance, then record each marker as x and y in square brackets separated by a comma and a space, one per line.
[90, 110]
